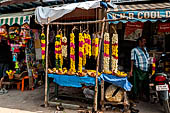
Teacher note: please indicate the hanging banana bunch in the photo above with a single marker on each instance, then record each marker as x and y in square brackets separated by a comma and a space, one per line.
[81, 52]
[58, 54]
[72, 52]
[114, 53]
[106, 52]
[43, 48]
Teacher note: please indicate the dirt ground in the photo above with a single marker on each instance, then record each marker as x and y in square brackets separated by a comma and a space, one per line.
[29, 101]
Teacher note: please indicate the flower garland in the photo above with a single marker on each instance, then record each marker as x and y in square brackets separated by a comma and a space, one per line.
[81, 52]
[64, 46]
[43, 48]
[114, 53]
[89, 44]
[72, 52]
[95, 46]
[106, 52]
[85, 49]
[153, 66]
[58, 52]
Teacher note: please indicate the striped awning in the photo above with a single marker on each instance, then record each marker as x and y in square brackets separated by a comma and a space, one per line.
[137, 7]
[140, 12]
[16, 18]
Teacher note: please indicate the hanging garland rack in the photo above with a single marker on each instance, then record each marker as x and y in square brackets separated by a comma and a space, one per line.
[97, 66]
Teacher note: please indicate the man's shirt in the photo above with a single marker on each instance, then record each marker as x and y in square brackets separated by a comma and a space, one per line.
[140, 58]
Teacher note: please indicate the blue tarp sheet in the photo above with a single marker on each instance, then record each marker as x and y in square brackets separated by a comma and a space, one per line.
[72, 80]
[118, 81]
[76, 81]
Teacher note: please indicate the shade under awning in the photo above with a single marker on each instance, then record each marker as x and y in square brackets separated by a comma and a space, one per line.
[140, 12]
[16, 18]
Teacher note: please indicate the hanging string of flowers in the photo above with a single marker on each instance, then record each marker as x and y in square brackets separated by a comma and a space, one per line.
[85, 49]
[64, 46]
[43, 48]
[81, 52]
[95, 46]
[114, 58]
[72, 52]
[89, 44]
[58, 51]
[153, 66]
[106, 52]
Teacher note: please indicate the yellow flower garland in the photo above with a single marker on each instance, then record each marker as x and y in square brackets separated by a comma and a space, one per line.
[72, 52]
[81, 51]
[95, 46]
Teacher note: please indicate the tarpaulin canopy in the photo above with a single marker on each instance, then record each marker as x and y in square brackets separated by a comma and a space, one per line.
[42, 14]
[140, 12]
[16, 18]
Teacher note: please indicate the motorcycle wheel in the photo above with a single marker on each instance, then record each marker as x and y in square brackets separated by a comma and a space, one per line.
[166, 106]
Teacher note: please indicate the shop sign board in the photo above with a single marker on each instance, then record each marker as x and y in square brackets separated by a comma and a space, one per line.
[133, 30]
[139, 15]
[164, 27]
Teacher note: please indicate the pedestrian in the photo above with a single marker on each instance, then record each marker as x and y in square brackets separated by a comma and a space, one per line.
[5, 61]
[139, 70]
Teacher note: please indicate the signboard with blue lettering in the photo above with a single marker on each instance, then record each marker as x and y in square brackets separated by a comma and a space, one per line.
[142, 15]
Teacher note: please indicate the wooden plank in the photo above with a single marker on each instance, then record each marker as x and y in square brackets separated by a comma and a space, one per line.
[97, 67]
[46, 68]
[102, 95]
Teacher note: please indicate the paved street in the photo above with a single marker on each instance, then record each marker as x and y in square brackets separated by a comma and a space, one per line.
[29, 102]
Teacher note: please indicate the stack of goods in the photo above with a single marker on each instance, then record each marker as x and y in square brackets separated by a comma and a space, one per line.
[92, 73]
[58, 71]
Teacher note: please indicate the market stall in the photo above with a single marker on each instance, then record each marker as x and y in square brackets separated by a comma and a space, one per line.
[16, 32]
[82, 49]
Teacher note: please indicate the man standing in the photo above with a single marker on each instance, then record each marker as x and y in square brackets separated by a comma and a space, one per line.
[139, 70]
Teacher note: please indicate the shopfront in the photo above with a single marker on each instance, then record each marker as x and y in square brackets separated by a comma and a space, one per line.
[20, 33]
[148, 20]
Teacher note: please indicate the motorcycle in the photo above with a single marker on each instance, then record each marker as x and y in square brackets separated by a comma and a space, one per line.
[160, 84]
